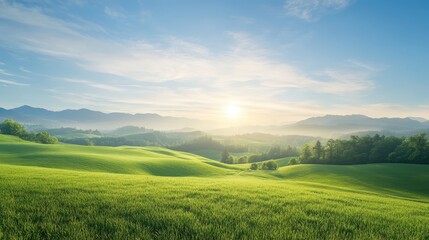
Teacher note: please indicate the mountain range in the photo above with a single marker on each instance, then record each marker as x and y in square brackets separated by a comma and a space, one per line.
[324, 126]
[89, 119]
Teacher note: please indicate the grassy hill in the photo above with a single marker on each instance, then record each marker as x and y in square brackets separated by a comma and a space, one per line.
[406, 180]
[76, 192]
[133, 160]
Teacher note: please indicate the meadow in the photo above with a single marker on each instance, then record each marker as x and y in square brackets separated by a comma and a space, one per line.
[81, 192]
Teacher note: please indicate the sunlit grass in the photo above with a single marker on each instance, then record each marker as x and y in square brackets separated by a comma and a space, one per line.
[56, 195]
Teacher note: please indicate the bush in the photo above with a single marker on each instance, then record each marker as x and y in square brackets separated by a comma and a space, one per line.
[270, 165]
[254, 166]
[45, 138]
[242, 159]
[11, 127]
[293, 161]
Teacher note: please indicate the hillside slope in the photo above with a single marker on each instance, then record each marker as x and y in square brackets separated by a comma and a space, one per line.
[132, 160]
[76, 192]
[405, 180]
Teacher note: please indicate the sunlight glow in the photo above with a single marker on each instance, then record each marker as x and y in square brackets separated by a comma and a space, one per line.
[233, 111]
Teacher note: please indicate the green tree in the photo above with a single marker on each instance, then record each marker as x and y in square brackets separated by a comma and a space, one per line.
[11, 127]
[293, 161]
[330, 150]
[225, 157]
[242, 159]
[45, 138]
[270, 165]
[318, 151]
[254, 166]
[305, 156]
[419, 147]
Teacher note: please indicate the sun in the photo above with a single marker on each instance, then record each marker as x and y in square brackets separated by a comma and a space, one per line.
[232, 111]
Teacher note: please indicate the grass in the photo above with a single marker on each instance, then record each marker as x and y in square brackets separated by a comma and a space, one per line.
[132, 160]
[115, 193]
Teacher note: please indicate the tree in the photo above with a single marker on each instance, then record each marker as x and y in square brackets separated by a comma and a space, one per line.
[45, 138]
[419, 147]
[318, 151]
[305, 156]
[293, 161]
[225, 157]
[242, 159]
[330, 150]
[254, 166]
[383, 148]
[270, 165]
[11, 127]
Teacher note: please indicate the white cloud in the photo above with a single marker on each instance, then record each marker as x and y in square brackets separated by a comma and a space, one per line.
[112, 12]
[94, 84]
[313, 9]
[4, 72]
[245, 71]
[179, 60]
[9, 82]
[24, 70]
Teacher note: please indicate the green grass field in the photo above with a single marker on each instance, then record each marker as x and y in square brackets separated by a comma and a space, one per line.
[78, 192]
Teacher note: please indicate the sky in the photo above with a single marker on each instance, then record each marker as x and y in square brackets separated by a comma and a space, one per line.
[271, 61]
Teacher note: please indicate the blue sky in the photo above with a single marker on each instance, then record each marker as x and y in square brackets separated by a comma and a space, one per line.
[276, 61]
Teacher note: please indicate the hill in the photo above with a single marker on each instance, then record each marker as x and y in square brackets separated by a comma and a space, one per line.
[130, 160]
[89, 119]
[405, 180]
[333, 126]
[326, 126]
[83, 192]
[336, 125]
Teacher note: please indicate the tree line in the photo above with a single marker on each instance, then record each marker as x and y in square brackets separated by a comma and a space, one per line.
[10, 127]
[275, 152]
[368, 149]
[208, 143]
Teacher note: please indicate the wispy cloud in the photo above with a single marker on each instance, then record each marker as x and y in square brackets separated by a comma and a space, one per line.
[94, 84]
[5, 73]
[313, 9]
[175, 74]
[112, 12]
[9, 82]
[366, 66]
[177, 59]
[22, 69]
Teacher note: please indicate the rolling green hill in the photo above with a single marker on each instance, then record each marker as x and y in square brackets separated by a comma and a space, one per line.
[77, 192]
[134, 160]
[406, 180]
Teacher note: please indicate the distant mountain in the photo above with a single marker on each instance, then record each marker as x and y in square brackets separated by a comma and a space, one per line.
[419, 119]
[332, 126]
[329, 126]
[336, 125]
[89, 119]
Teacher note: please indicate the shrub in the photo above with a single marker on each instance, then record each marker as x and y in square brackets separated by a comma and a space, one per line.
[293, 161]
[11, 127]
[242, 159]
[45, 138]
[270, 165]
[254, 166]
